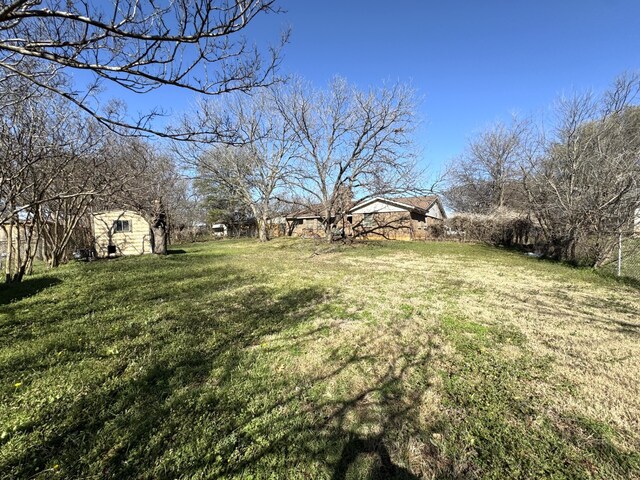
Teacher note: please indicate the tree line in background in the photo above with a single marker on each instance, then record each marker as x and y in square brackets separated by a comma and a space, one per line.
[567, 186]
[298, 147]
[254, 147]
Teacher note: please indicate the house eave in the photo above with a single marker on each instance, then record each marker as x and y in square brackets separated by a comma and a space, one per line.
[407, 207]
[301, 217]
[109, 210]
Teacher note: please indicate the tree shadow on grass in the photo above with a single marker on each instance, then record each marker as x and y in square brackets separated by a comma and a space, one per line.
[212, 394]
[141, 401]
[338, 436]
[27, 288]
[382, 468]
[586, 311]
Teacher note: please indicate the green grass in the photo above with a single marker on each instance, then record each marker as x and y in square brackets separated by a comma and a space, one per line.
[300, 360]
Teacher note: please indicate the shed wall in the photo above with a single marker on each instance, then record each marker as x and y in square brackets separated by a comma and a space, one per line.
[135, 242]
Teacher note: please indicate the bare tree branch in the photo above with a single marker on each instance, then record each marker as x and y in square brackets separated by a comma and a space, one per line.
[140, 45]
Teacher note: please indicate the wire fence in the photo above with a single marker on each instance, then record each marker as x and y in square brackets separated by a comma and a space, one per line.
[625, 262]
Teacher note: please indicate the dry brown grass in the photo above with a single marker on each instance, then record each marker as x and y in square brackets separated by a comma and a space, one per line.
[589, 329]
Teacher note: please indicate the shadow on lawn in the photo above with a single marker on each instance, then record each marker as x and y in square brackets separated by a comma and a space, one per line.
[27, 288]
[383, 468]
[589, 311]
[211, 384]
[214, 393]
[366, 455]
[346, 437]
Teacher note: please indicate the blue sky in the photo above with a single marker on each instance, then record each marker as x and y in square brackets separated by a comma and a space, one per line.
[473, 62]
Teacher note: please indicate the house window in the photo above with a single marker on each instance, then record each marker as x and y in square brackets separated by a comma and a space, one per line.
[368, 220]
[122, 226]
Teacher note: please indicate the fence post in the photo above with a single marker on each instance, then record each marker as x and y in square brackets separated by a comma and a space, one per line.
[620, 254]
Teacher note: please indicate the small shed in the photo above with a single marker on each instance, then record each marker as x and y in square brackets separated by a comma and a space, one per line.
[121, 232]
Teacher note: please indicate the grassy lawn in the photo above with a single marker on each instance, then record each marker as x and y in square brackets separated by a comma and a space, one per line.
[295, 360]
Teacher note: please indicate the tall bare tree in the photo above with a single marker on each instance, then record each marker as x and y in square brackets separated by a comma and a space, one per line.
[139, 45]
[488, 174]
[351, 142]
[584, 185]
[258, 166]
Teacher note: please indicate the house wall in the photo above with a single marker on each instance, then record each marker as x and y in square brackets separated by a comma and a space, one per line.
[135, 242]
[434, 211]
[395, 226]
[278, 227]
[389, 225]
[4, 239]
[305, 227]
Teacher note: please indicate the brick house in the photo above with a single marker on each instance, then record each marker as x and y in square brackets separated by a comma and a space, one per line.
[407, 218]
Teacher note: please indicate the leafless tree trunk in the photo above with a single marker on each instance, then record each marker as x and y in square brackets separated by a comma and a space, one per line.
[487, 175]
[351, 143]
[159, 227]
[258, 165]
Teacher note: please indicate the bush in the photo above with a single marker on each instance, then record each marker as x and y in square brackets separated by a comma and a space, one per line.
[501, 227]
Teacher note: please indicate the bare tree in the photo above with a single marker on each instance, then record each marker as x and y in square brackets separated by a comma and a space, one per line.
[139, 45]
[257, 167]
[86, 173]
[584, 185]
[488, 174]
[350, 142]
[48, 175]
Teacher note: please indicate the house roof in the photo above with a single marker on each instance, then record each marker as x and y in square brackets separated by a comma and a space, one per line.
[312, 211]
[24, 217]
[419, 204]
[423, 203]
[112, 210]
